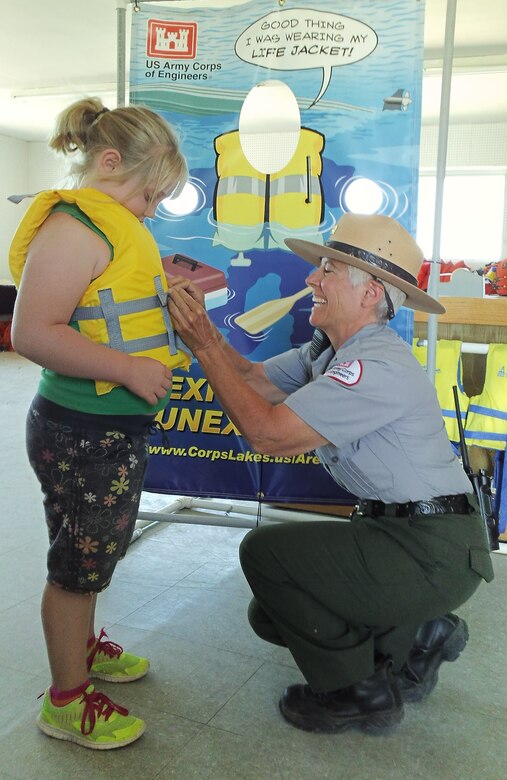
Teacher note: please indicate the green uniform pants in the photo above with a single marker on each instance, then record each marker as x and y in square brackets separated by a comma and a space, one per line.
[341, 595]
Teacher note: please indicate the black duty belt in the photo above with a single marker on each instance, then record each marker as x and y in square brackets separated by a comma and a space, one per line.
[441, 505]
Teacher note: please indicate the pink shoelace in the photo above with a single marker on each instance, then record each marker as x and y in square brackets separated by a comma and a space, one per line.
[98, 705]
[107, 647]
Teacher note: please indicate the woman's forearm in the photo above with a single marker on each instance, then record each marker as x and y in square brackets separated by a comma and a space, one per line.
[252, 373]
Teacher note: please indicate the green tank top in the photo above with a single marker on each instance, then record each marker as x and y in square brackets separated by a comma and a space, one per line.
[79, 394]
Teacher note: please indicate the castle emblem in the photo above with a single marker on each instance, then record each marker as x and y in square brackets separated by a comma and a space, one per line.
[172, 40]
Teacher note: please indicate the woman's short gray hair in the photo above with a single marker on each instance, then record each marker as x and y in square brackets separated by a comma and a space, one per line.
[357, 276]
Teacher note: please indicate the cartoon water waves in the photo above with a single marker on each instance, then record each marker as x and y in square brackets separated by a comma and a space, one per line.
[251, 213]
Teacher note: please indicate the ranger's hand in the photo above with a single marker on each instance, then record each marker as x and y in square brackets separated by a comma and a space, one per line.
[191, 320]
[180, 282]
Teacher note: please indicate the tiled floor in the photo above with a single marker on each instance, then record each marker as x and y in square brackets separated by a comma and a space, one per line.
[210, 700]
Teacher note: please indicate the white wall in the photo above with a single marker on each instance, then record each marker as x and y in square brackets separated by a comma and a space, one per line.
[468, 145]
[473, 146]
[13, 181]
[26, 168]
[46, 169]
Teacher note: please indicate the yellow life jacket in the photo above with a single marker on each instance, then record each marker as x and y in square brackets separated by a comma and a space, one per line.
[448, 372]
[486, 423]
[295, 192]
[125, 307]
[291, 197]
[241, 189]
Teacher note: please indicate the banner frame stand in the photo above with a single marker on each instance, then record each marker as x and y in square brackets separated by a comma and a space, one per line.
[443, 133]
[220, 512]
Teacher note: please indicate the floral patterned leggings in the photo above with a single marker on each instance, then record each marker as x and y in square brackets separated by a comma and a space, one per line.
[91, 469]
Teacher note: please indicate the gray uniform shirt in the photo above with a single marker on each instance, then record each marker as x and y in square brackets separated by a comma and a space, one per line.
[379, 412]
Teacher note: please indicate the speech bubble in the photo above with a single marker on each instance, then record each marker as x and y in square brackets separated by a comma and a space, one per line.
[302, 38]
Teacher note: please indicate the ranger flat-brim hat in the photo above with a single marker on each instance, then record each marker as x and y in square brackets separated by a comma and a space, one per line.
[378, 245]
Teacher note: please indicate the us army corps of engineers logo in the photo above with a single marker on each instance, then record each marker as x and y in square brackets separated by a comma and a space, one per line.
[347, 373]
[174, 40]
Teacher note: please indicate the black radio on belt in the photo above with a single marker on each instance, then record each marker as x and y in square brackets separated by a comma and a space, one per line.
[481, 483]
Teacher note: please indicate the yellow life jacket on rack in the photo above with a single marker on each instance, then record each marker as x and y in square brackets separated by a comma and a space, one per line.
[448, 372]
[486, 423]
[125, 307]
[291, 197]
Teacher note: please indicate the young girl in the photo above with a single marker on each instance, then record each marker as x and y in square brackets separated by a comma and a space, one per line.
[91, 309]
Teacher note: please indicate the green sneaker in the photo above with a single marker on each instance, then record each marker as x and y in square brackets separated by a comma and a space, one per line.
[92, 720]
[108, 661]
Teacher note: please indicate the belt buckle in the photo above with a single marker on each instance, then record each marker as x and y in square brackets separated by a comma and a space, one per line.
[363, 508]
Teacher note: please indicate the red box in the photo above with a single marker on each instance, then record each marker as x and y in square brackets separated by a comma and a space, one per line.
[210, 280]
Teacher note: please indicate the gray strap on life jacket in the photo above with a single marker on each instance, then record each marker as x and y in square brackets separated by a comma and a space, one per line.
[127, 307]
[248, 185]
[162, 297]
[241, 185]
[295, 183]
[19, 198]
[111, 312]
[112, 318]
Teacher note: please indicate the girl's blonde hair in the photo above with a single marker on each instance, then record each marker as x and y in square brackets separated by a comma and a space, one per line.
[147, 144]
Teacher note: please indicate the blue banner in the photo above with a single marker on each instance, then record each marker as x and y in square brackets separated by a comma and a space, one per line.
[357, 79]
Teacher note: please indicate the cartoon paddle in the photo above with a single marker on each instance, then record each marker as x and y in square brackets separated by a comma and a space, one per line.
[261, 317]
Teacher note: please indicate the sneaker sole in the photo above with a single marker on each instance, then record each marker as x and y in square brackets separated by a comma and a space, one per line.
[56, 733]
[450, 651]
[116, 678]
[372, 723]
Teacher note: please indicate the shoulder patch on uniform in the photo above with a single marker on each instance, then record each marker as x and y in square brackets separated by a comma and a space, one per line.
[347, 373]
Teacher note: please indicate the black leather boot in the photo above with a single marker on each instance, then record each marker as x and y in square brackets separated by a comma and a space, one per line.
[370, 705]
[436, 641]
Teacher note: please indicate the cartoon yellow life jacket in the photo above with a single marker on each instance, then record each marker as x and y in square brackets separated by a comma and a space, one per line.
[125, 307]
[447, 374]
[291, 197]
[295, 192]
[486, 423]
[241, 189]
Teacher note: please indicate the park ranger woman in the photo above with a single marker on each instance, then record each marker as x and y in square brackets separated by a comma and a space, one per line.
[365, 607]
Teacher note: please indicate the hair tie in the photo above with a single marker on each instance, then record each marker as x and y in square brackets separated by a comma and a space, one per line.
[99, 113]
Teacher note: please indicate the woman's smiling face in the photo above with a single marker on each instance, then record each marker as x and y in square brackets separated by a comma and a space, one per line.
[334, 298]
